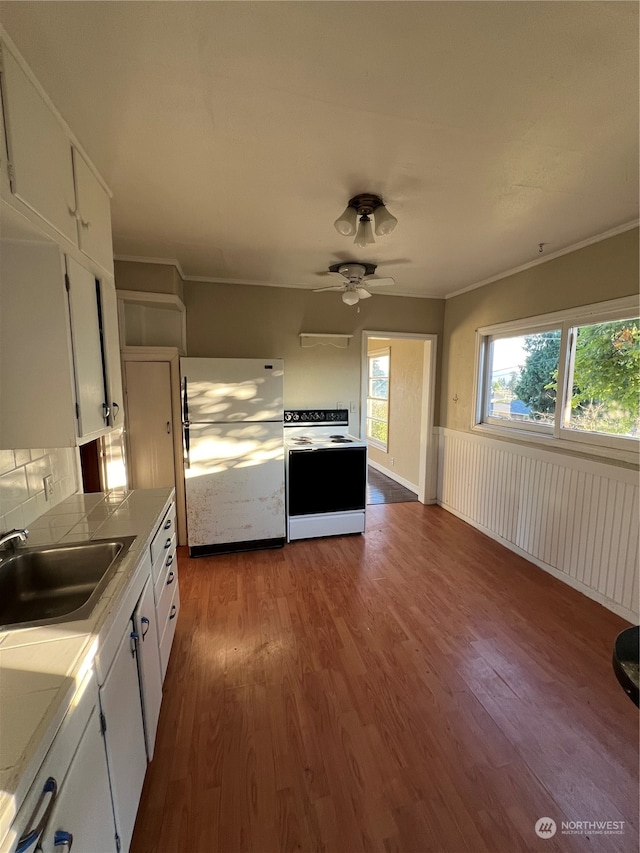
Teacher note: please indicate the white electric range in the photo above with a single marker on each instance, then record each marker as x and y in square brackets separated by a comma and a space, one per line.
[326, 474]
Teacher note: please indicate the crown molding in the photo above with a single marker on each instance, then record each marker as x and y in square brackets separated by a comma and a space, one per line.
[620, 229]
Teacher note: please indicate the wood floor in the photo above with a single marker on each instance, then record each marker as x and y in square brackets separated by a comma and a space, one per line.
[416, 689]
[383, 490]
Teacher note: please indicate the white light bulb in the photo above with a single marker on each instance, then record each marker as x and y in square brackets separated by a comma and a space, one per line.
[346, 223]
[364, 237]
[385, 221]
[350, 297]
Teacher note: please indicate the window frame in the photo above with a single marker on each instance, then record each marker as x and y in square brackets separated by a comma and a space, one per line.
[623, 448]
[375, 442]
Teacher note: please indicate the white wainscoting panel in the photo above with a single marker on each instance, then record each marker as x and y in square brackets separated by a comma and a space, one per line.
[575, 518]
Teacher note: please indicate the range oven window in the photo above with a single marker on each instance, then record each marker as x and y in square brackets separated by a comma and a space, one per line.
[327, 480]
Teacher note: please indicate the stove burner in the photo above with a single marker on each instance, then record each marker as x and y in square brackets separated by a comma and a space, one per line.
[339, 439]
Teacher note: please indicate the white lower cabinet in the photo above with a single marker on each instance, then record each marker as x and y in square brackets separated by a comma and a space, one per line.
[82, 812]
[124, 736]
[69, 802]
[146, 640]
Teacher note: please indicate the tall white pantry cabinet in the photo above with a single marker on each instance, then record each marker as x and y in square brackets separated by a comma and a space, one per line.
[60, 377]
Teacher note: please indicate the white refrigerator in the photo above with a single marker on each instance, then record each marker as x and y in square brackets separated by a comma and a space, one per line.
[232, 413]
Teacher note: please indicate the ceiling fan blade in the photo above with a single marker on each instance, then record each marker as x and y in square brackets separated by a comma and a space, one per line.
[332, 287]
[325, 273]
[362, 293]
[373, 281]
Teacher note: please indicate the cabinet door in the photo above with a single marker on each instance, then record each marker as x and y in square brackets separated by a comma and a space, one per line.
[37, 394]
[39, 151]
[145, 624]
[94, 215]
[111, 341]
[124, 737]
[87, 349]
[83, 803]
[150, 424]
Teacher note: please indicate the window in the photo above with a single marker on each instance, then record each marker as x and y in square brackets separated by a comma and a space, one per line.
[573, 376]
[378, 398]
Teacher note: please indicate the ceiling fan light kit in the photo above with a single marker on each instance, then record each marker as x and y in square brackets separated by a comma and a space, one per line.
[363, 206]
[356, 278]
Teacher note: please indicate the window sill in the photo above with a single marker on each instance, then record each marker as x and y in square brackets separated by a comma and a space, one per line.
[577, 447]
[379, 445]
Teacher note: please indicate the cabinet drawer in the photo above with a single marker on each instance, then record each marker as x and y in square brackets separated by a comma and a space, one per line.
[165, 599]
[169, 631]
[162, 540]
[165, 560]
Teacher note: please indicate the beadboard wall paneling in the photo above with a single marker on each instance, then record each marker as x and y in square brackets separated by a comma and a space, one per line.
[575, 518]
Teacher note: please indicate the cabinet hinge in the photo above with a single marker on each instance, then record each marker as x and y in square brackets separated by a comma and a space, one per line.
[118, 843]
[67, 283]
[103, 723]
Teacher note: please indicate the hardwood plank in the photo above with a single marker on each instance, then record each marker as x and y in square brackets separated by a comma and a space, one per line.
[419, 688]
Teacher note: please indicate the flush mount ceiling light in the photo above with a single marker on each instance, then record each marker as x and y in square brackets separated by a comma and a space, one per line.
[364, 205]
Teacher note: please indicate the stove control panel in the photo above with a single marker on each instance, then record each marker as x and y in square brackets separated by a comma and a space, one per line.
[299, 417]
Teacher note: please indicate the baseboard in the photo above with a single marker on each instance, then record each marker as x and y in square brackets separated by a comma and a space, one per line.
[395, 477]
[616, 608]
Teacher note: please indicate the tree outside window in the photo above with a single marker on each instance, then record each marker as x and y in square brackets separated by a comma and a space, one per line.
[378, 398]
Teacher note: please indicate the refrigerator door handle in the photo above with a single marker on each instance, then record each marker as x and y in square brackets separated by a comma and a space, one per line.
[185, 422]
[187, 442]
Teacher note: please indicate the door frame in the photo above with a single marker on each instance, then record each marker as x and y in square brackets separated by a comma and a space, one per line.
[172, 356]
[428, 457]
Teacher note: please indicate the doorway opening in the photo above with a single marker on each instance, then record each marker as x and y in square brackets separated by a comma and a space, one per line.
[397, 405]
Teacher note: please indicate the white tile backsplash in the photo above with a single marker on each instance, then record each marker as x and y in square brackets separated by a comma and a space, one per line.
[22, 498]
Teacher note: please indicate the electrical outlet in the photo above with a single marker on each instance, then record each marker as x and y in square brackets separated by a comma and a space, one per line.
[353, 407]
[48, 486]
[392, 461]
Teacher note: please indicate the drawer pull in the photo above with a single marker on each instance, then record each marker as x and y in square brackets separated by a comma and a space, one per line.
[167, 544]
[63, 839]
[168, 524]
[144, 621]
[174, 610]
[30, 836]
[171, 578]
[169, 561]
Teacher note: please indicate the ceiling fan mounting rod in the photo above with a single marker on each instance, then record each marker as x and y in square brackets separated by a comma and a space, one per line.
[365, 203]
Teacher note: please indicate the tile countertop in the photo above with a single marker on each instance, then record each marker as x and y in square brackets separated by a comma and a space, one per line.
[41, 667]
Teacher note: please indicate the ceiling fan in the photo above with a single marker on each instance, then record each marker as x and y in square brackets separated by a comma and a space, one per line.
[356, 278]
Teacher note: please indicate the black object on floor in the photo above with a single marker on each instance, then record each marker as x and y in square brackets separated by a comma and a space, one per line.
[383, 490]
[626, 663]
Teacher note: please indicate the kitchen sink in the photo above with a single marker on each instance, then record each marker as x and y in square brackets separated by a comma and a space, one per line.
[57, 583]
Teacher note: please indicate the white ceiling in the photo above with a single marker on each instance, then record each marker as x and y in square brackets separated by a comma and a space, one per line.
[232, 134]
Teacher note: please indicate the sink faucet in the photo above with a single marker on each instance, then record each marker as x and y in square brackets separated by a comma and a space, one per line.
[9, 539]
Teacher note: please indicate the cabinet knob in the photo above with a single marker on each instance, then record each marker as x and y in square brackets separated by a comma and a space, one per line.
[85, 223]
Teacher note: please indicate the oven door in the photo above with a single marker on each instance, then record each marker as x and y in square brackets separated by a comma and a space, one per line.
[327, 480]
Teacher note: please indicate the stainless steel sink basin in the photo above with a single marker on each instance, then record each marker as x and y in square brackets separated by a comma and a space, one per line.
[57, 583]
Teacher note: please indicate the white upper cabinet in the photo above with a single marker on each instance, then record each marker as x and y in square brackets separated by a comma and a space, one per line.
[46, 170]
[94, 214]
[40, 163]
[111, 344]
[87, 350]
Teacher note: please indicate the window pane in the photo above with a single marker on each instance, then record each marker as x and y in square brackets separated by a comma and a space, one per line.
[523, 373]
[379, 388]
[377, 409]
[379, 365]
[378, 430]
[606, 379]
